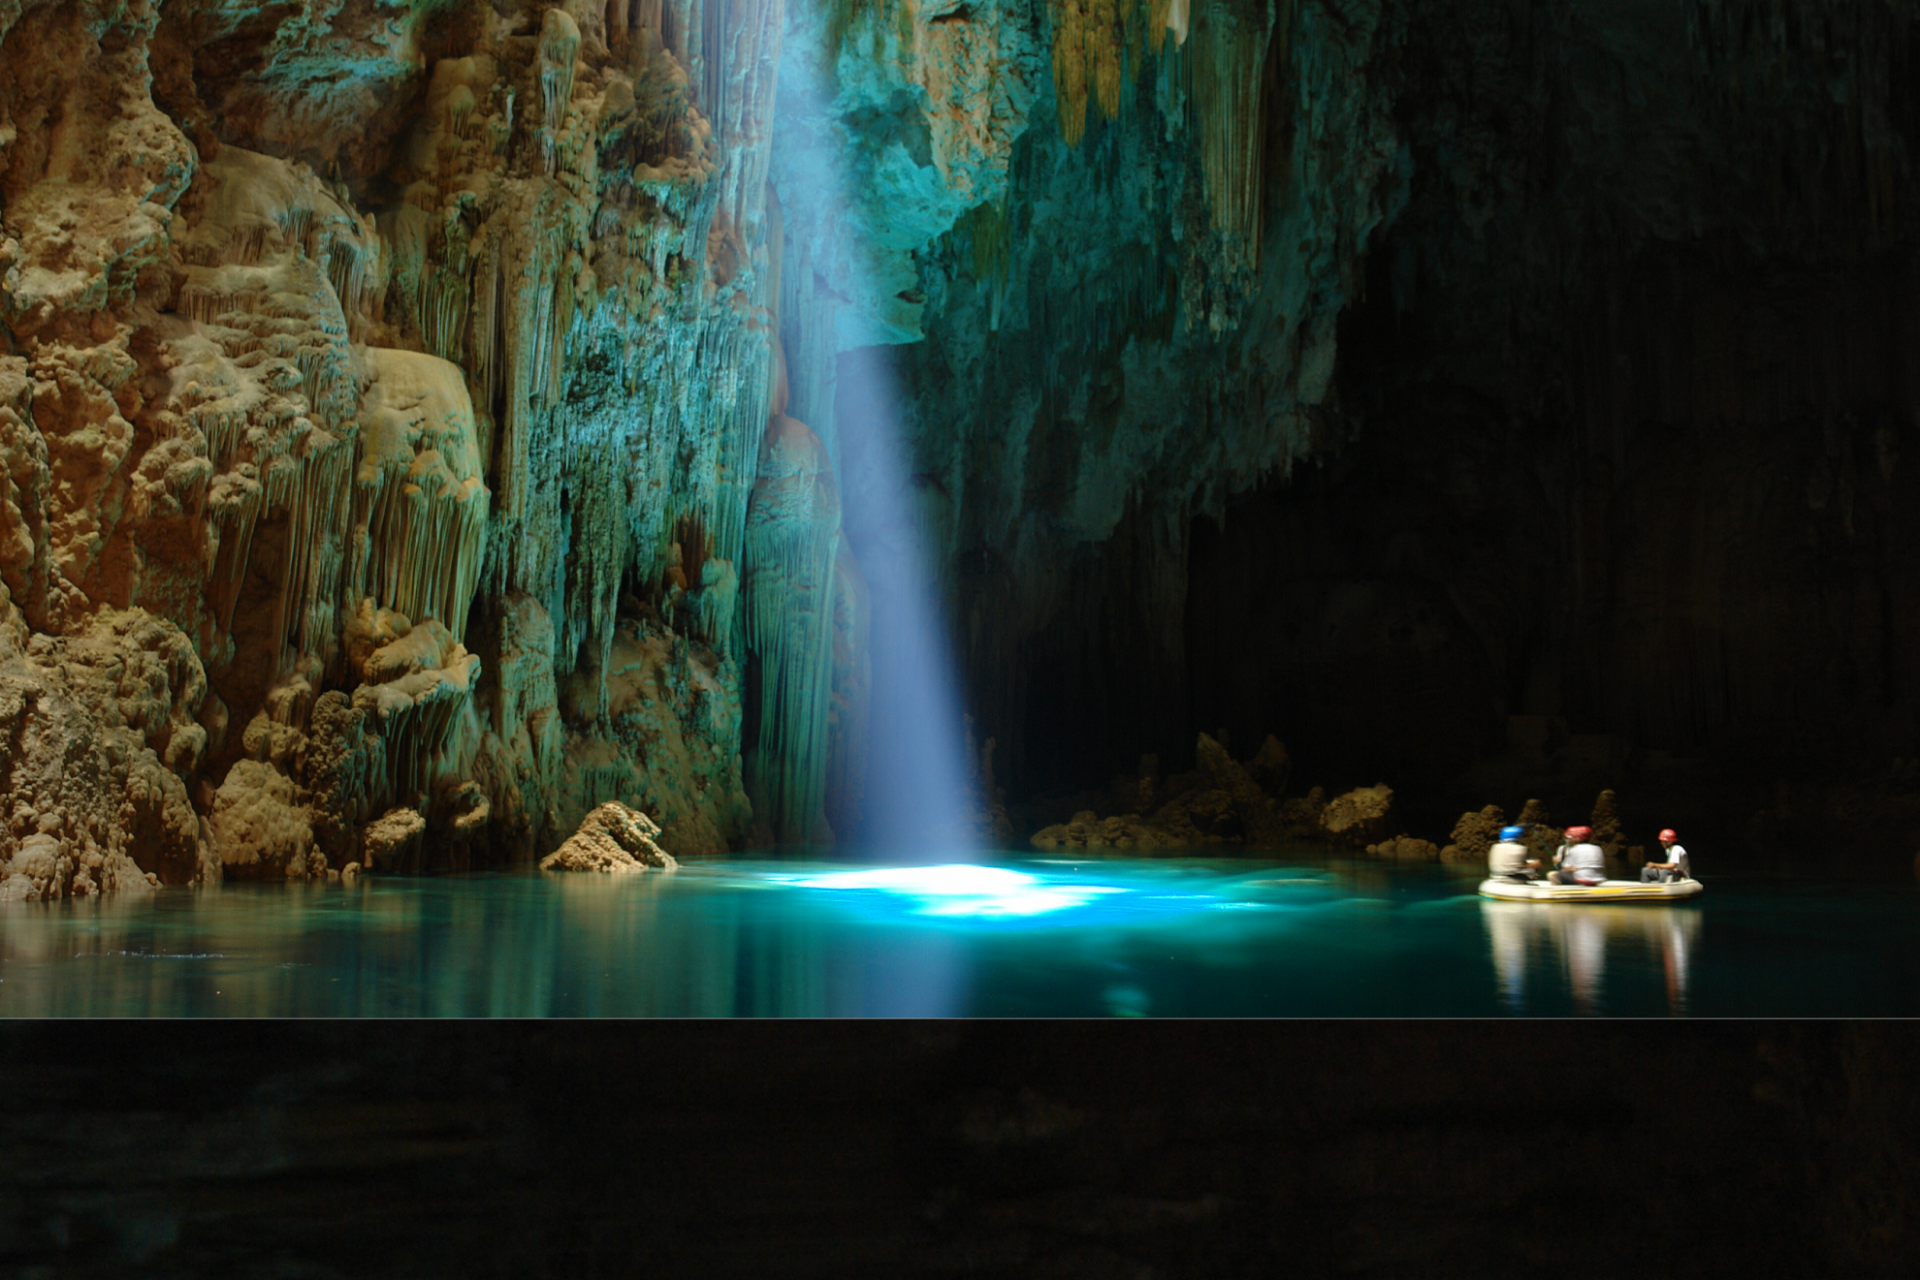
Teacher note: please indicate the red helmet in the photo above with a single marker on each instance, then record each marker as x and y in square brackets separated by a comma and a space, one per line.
[1579, 833]
[1668, 833]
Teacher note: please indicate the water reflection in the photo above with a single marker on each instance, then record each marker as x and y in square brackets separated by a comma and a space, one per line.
[628, 946]
[1057, 938]
[1576, 943]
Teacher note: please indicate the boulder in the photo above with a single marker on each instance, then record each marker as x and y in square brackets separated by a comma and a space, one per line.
[612, 838]
[1254, 813]
[1358, 817]
[1474, 835]
[260, 828]
[393, 839]
[1405, 848]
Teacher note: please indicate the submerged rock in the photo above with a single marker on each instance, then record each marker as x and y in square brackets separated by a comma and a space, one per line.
[612, 838]
[1406, 848]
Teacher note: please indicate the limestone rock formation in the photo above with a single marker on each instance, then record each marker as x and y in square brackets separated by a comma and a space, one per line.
[612, 838]
[1358, 816]
[1474, 835]
[1606, 826]
[393, 839]
[103, 735]
[1406, 848]
[517, 405]
[1218, 802]
[260, 829]
[412, 360]
[1542, 838]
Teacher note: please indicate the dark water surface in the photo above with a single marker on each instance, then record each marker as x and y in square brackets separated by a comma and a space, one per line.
[1164, 937]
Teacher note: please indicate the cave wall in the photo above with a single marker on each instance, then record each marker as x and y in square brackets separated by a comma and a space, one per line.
[383, 388]
[1603, 484]
[1147, 325]
[462, 412]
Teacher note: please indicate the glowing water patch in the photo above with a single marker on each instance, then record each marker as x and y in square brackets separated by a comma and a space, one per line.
[963, 889]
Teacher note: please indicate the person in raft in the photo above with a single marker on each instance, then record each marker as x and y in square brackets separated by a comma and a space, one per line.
[1677, 866]
[1508, 859]
[1580, 861]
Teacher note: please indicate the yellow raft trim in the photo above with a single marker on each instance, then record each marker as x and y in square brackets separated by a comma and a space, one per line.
[1615, 891]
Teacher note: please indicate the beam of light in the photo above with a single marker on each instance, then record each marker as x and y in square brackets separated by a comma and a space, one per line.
[917, 780]
[964, 890]
[848, 264]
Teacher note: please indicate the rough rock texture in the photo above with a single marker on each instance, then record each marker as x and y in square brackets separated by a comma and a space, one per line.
[101, 738]
[1406, 848]
[1357, 816]
[1497, 397]
[1474, 836]
[1586, 321]
[1220, 803]
[1109, 359]
[1626, 495]
[393, 839]
[611, 838]
[1606, 826]
[259, 829]
[412, 360]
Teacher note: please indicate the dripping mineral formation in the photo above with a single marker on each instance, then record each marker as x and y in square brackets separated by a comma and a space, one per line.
[424, 422]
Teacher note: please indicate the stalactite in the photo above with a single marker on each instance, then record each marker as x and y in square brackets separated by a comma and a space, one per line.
[1844, 159]
[419, 506]
[559, 48]
[807, 324]
[1107, 32]
[418, 718]
[740, 105]
[743, 420]
[1096, 46]
[644, 33]
[347, 272]
[1070, 40]
[314, 497]
[590, 574]
[529, 321]
[986, 232]
[1229, 52]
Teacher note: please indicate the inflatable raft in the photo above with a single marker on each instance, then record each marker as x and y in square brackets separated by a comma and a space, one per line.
[1605, 891]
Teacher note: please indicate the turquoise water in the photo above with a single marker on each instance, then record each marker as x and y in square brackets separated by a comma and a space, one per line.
[1187, 937]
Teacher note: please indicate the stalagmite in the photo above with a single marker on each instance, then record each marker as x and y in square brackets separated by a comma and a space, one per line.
[852, 685]
[792, 542]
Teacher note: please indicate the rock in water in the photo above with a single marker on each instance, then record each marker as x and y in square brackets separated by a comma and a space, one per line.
[612, 838]
[1405, 848]
[1474, 835]
[394, 838]
[1358, 817]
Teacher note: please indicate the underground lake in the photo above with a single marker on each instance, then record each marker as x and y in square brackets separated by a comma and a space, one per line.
[1300, 935]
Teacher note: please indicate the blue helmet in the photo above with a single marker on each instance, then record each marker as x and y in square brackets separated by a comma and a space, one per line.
[1512, 833]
